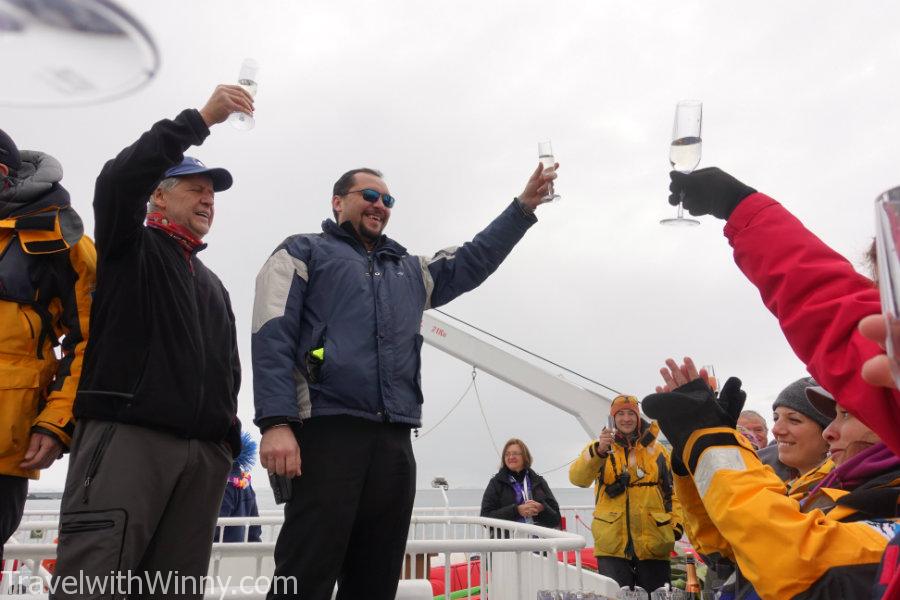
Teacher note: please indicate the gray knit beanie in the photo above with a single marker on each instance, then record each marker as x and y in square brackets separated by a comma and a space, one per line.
[794, 397]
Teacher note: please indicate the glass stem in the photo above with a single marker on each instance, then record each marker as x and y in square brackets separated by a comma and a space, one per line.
[681, 205]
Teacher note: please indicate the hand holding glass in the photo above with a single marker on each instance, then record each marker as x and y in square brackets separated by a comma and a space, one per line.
[684, 153]
[545, 154]
[710, 376]
[247, 80]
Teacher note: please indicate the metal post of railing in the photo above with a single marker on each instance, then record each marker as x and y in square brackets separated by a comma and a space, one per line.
[520, 573]
[580, 570]
[556, 573]
[446, 575]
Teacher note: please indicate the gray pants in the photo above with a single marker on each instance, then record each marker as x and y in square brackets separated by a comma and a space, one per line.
[138, 513]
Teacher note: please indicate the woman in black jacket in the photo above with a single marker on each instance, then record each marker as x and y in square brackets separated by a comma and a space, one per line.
[516, 493]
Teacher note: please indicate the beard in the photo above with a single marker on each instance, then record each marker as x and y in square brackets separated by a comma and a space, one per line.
[368, 234]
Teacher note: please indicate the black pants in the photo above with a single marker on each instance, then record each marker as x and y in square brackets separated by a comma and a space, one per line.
[12, 503]
[649, 574]
[348, 518]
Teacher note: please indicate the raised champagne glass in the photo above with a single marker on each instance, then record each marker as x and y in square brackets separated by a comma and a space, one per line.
[684, 153]
[545, 154]
[711, 377]
[887, 243]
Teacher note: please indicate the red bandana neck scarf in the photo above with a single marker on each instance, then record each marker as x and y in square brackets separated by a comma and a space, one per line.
[187, 240]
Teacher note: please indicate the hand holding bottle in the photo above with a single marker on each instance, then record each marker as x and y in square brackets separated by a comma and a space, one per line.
[225, 100]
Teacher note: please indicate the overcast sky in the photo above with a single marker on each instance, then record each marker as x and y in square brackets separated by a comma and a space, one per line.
[449, 99]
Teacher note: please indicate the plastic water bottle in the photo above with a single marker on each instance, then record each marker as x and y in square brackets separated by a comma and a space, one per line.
[247, 80]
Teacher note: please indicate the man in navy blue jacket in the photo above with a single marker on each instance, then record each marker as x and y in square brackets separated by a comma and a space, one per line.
[337, 372]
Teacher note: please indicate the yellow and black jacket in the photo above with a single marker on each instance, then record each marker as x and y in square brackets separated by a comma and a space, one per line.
[738, 508]
[800, 487]
[643, 520]
[47, 276]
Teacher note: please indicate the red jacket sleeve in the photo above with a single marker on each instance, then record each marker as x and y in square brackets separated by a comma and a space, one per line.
[818, 298]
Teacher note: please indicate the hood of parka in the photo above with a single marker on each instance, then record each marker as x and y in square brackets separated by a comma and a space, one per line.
[34, 187]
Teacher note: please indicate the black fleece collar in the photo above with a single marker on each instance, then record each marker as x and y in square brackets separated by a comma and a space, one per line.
[346, 232]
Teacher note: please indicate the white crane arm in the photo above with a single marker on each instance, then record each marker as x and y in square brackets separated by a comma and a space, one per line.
[590, 408]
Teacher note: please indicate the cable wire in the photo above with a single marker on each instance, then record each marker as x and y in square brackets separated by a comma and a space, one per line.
[526, 351]
[444, 418]
[484, 417]
[542, 473]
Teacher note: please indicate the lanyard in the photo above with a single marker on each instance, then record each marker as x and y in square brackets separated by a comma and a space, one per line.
[523, 490]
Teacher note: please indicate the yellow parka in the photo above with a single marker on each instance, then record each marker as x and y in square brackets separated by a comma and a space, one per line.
[701, 531]
[800, 487]
[738, 508]
[645, 518]
[46, 281]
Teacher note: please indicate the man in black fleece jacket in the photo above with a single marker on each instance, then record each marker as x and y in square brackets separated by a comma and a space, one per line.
[157, 403]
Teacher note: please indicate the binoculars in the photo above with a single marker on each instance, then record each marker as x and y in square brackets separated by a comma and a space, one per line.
[617, 488]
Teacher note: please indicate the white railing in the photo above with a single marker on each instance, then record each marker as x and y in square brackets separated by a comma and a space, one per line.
[578, 520]
[512, 560]
[577, 517]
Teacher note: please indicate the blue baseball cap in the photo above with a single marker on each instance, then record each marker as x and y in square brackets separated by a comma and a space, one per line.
[192, 166]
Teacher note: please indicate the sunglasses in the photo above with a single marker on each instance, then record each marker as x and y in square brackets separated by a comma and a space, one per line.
[370, 195]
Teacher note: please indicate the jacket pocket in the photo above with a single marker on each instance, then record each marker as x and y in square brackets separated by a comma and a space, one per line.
[19, 397]
[315, 357]
[420, 397]
[140, 379]
[609, 533]
[658, 536]
[96, 458]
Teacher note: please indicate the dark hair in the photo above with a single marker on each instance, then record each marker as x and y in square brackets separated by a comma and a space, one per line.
[870, 259]
[343, 185]
[526, 454]
[345, 182]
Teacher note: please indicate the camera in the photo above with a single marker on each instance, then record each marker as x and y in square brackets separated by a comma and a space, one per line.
[617, 487]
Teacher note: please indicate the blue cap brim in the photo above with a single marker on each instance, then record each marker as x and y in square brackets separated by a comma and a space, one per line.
[221, 178]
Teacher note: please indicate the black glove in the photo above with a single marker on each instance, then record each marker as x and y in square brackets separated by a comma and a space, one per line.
[731, 400]
[694, 406]
[709, 191]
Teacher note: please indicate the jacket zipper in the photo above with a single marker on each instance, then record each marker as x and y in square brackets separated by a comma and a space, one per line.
[30, 326]
[371, 259]
[96, 457]
[202, 344]
[629, 542]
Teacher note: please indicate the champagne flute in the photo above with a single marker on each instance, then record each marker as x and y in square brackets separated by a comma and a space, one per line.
[887, 242]
[684, 153]
[247, 80]
[545, 153]
[711, 377]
